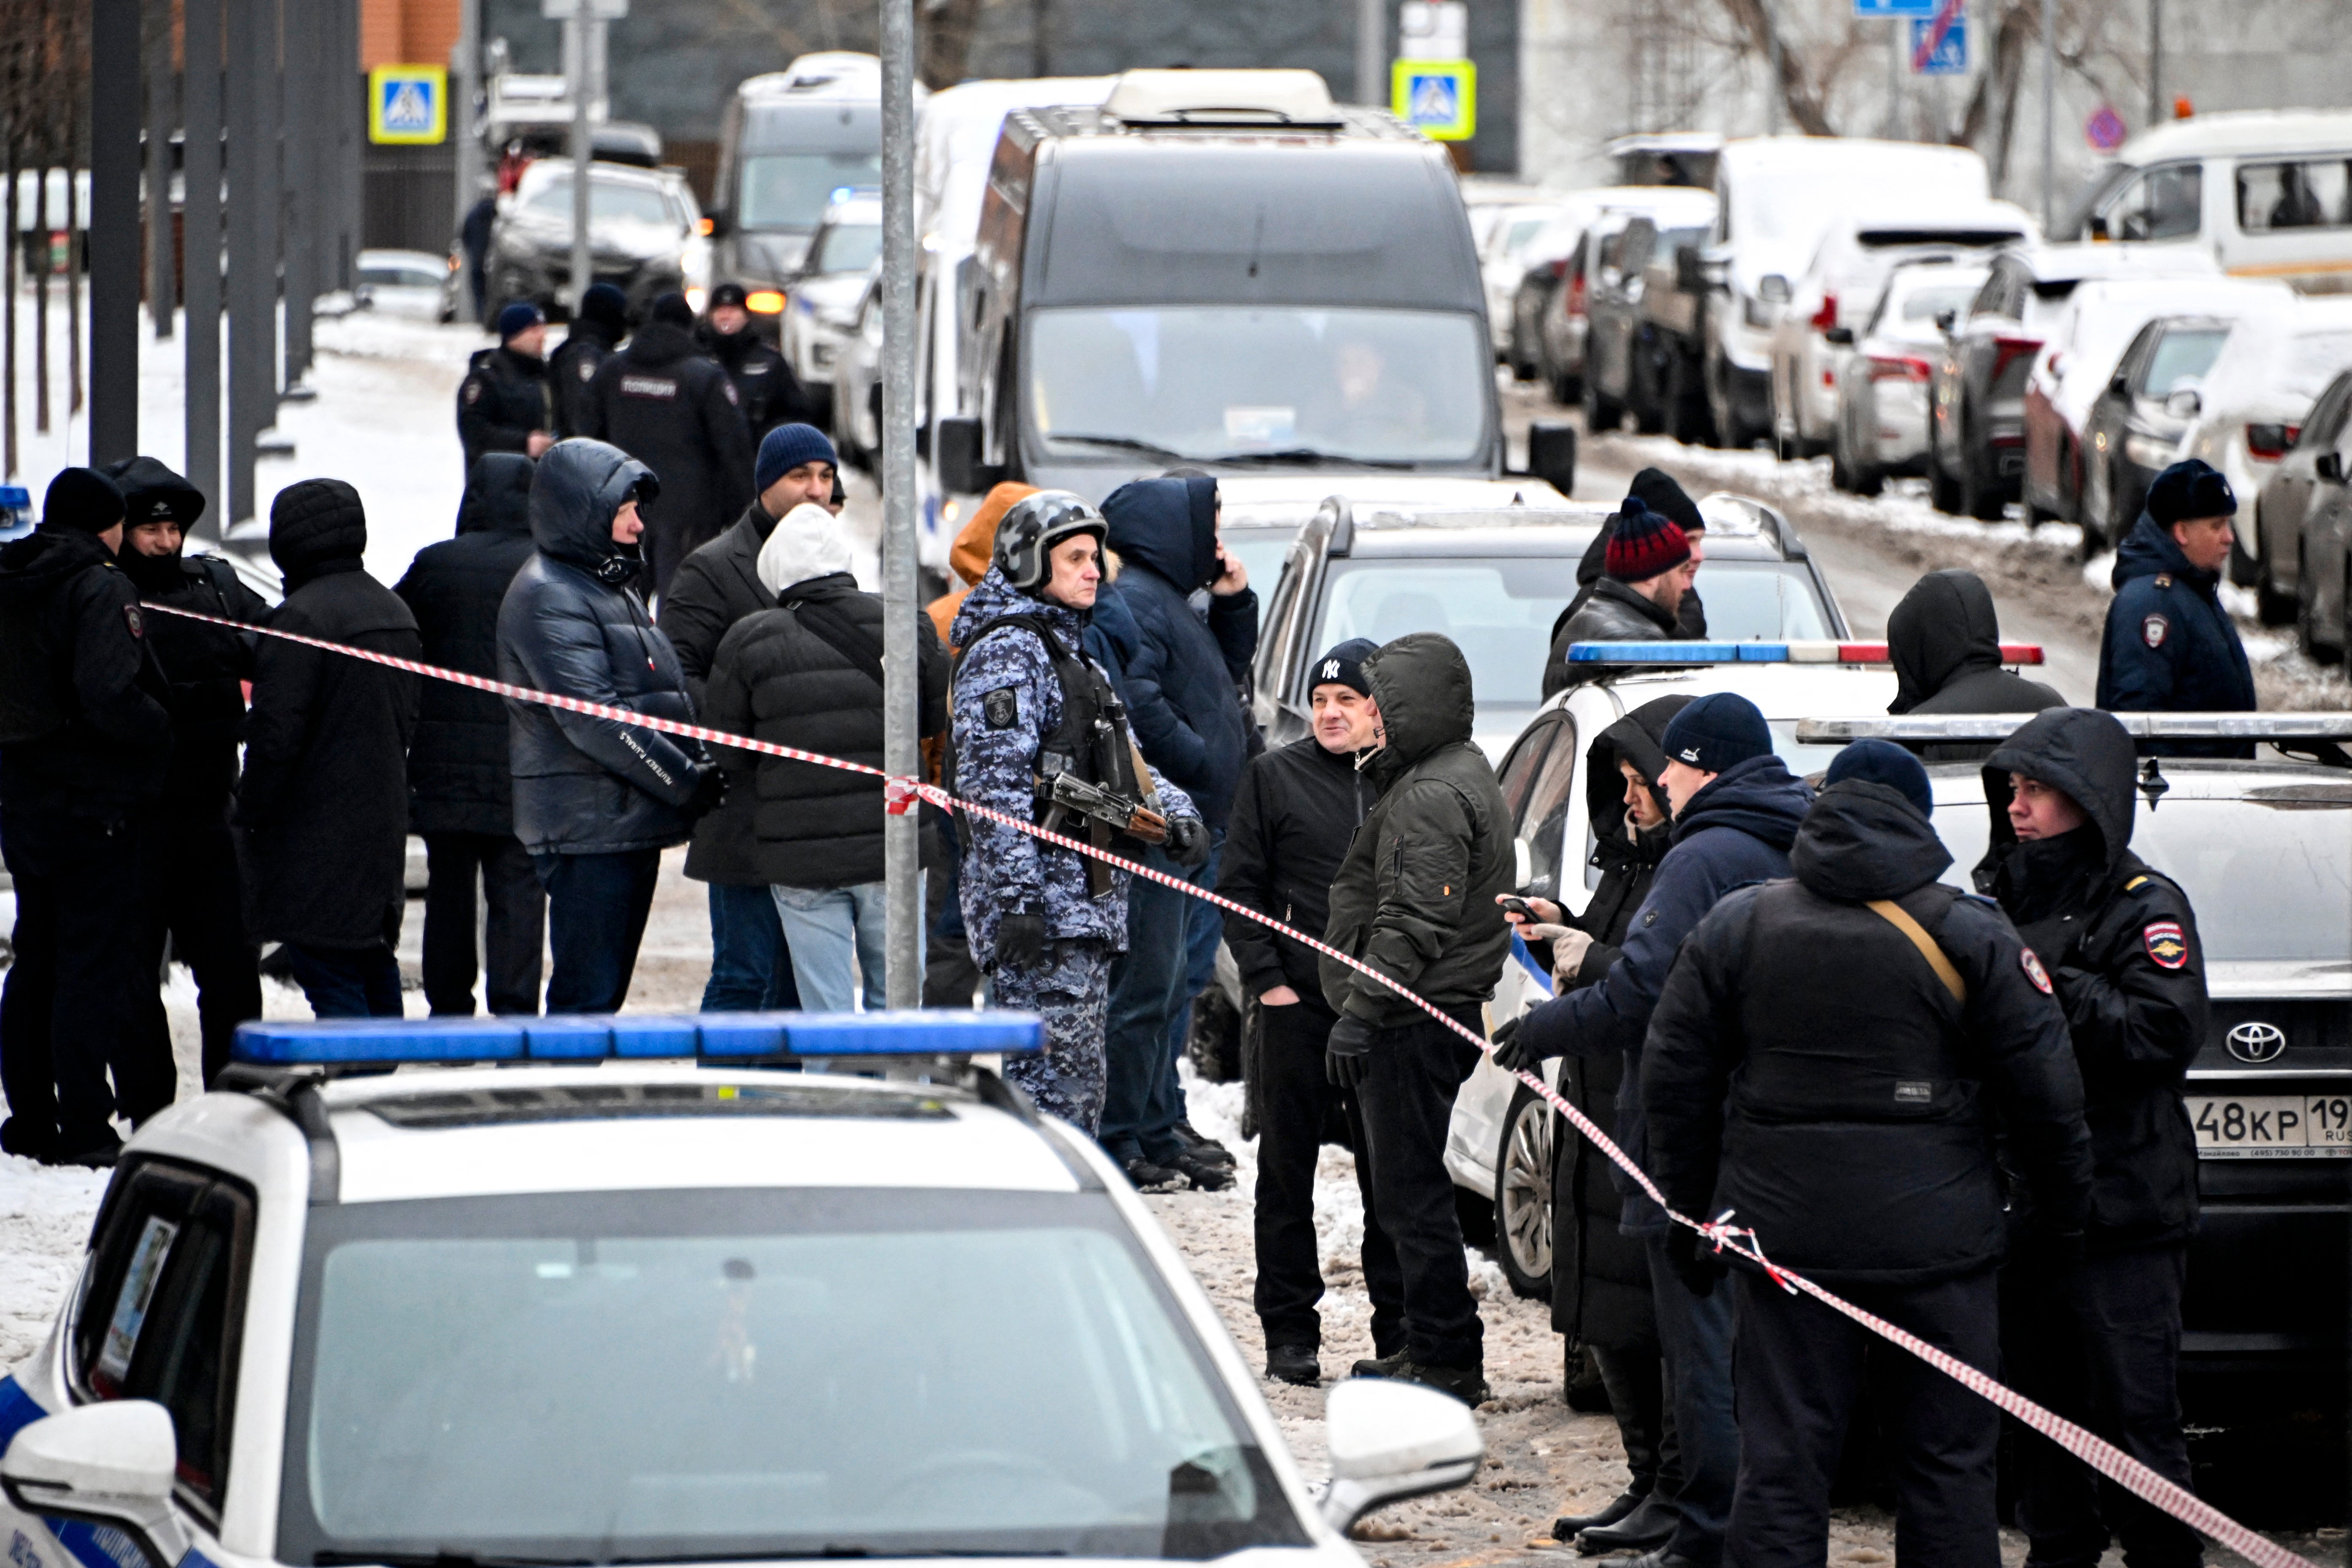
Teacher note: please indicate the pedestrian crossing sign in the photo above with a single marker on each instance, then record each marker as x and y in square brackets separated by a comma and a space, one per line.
[408, 104]
[1437, 97]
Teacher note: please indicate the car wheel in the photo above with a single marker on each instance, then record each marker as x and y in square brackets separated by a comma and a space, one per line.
[1869, 479]
[1523, 1195]
[1943, 490]
[1841, 472]
[1602, 413]
[2273, 607]
[1213, 1040]
[1689, 419]
[1979, 498]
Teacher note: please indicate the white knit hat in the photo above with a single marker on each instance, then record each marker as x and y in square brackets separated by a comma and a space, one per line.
[807, 542]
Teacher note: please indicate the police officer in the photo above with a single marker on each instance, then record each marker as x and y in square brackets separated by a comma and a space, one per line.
[1046, 922]
[2169, 645]
[188, 858]
[2093, 1329]
[502, 402]
[667, 404]
[764, 383]
[1852, 1128]
[596, 331]
[85, 740]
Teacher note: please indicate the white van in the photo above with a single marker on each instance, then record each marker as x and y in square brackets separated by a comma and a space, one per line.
[2268, 194]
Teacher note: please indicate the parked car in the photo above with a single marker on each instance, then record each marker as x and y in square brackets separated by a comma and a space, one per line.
[1840, 286]
[1883, 372]
[1976, 458]
[1625, 369]
[822, 301]
[2254, 399]
[2301, 508]
[1508, 228]
[1259, 517]
[644, 235]
[788, 141]
[404, 283]
[2267, 194]
[1552, 266]
[1667, 158]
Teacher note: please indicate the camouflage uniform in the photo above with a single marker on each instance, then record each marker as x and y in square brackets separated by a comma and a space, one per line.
[1007, 700]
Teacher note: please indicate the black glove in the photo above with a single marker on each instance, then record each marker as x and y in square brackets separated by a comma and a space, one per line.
[1348, 1054]
[1188, 842]
[1021, 940]
[1695, 1259]
[709, 791]
[1509, 1054]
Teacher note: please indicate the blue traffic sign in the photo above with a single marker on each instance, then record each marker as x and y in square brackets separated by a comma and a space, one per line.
[1865, 10]
[1947, 56]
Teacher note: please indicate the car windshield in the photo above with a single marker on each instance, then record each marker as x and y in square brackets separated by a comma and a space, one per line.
[607, 200]
[1210, 382]
[696, 1375]
[847, 247]
[1499, 610]
[791, 190]
[1260, 551]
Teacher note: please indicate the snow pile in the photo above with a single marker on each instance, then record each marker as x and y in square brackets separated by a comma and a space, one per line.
[45, 1218]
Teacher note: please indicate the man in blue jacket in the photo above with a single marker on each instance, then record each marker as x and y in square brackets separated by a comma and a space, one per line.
[1736, 809]
[596, 800]
[2170, 646]
[1179, 677]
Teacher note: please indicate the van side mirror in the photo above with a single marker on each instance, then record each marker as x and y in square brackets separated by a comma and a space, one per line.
[1839, 337]
[2328, 467]
[1552, 454]
[955, 453]
[721, 223]
[1390, 1441]
[2098, 227]
[1690, 272]
[1945, 321]
[1772, 289]
[2184, 404]
[109, 1465]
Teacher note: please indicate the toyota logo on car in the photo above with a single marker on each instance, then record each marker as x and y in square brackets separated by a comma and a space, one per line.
[2257, 1042]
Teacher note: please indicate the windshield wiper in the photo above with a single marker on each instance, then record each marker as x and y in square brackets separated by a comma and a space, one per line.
[838, 1551]
[441, 1559]
[1129, 444]
[1307, 456]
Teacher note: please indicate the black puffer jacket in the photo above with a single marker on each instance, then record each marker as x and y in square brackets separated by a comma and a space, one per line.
[570, 625]
[1945, 639]
[2119, 942]
[83, 726]
[809, 674]
[1415, 896]
[458, 780]
[1297, 808]
[712, 590]
[1851, 1127]
[1612, 612]
[667, 404]
[322, 809]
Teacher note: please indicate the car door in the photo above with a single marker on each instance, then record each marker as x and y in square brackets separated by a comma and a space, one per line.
[2284, 503]
[2103, 439]
[2174, 357]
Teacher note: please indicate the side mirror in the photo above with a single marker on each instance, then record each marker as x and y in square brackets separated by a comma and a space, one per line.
[2099, 227]
[109, 1464]
[2184, 404]
[721, 222]
[1552, 454]
[955, 452]
[1772, 289]
[1690, 272]
[2328, 467]
[1390, 1441]
[1839, 337]
[1945, 321]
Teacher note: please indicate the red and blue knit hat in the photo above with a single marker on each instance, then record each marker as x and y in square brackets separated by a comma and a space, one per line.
[1643, 544]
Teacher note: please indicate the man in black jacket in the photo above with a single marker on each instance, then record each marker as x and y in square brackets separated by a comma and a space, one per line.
[460, 792]
[1293, 816]
[715, 588]
[1852, 1128]
[502, 402]
[1414, 899]
[2094, 1331]
[770, 393]
[1945, 640]
[1649, 566]
[85, 739]
[192, 889]
[1657, 491]
[322, 809]
[668, 404]
[596, 332]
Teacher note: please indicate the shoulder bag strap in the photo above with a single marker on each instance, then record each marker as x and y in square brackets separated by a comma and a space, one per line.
[1896, 915]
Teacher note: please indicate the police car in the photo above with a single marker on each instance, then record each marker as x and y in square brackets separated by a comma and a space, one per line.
[630, 1295]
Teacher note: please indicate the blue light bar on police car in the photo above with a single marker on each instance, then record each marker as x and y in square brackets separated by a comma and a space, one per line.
[1823, 651]
[586, 1037]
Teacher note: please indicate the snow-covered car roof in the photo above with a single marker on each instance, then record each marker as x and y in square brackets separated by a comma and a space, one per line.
[2101, 318]
[2240, 132]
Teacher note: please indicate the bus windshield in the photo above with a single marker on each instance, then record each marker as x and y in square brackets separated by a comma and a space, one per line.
[791, 190]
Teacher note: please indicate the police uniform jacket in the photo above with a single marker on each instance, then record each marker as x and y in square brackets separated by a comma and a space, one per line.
[501, 401]
[1852, 1127]
[206, 668]
[2170, 646]
[572, 373]
[83, 725]
[668, 405]
[771, 394]
[2119, 942]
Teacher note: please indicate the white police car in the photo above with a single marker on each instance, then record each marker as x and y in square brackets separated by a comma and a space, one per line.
[605, 1308]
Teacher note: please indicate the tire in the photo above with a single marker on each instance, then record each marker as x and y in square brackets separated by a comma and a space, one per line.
[2306, 621]
[1213, 1040]
[1602, 413]
[1523, 1195]
[1688, 418]
[1978, 500]
[2271, 607]
[1944, 491]
[1841, 475]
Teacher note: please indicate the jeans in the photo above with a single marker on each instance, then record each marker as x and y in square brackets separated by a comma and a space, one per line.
[1408, 1097]
[65, 1010]
[347, 981]
[1204, 928]
[750, 970]
[193, 896]
[514, 922]
[596, 909]
[838, 937]
[1695, 1335]
[1140, 1105]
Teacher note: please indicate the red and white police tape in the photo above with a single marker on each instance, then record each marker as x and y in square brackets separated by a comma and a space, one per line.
[899, 794]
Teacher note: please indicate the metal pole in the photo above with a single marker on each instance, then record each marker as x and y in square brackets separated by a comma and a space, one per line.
[2156, 62]
[901, 868]
[163, 114]
[1772, 87]
[200, 243]
[1896, 39]
[464, 81]
[248, 286]
[1371, 53]
[114, 239]
[304, 26]
[351, 117]
[2049, 115]
[575, 71]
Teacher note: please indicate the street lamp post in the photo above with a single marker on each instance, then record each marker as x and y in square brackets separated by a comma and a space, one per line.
[902, 871]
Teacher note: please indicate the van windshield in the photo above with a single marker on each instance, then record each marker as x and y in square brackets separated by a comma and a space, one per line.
[791, 190]
[1209, 383]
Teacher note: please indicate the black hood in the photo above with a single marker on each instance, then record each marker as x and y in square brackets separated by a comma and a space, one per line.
[497, 495]
[1944, 628]
[1423, 685]
[30, 567]
[152, 492]
[579, 487]
[659, 343]
[1638, 738]
[1757, 795]
[603, 334]
[1863, 841]
[1167, 525]
[317, 528]
[2082, 751]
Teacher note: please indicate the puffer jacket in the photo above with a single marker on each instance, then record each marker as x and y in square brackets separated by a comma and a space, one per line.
[975, 547]
[570, 625]
[84, 723]
[714, 590]
[2168, 645]
[1945, 640]
[2119, 942]
[1415, 896]
[1182, 686]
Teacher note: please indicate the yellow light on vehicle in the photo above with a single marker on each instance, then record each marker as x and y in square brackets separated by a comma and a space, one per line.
[702, 226]
[694, 297]
[766, 302]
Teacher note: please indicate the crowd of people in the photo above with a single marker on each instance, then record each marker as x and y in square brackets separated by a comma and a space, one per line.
[1986, 1147]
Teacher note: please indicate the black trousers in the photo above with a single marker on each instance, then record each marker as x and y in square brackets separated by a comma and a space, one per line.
[514, 922]
[1636, 1380]
[2098, 1341]
[1799, 1368]
[1407, 1098]
[65, 1014]
[194, 900]
[1294, 1099]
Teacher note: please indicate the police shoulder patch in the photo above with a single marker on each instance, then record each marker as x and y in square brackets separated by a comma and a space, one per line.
[1001, 708]
[2164, 579]
[587, 371]
[728, 387]
[2167, 943]
[2152, 630]
[473, 392]
[2034, 970]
